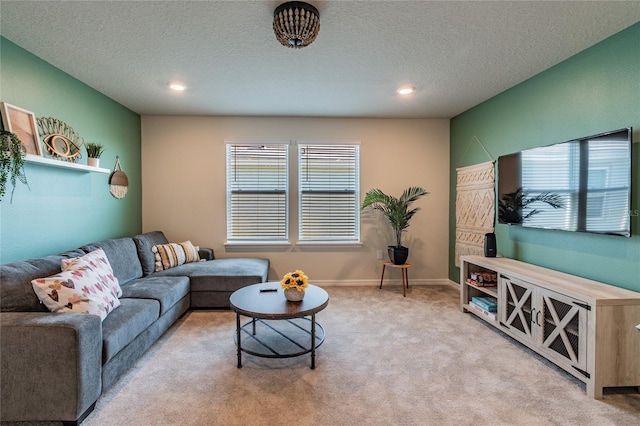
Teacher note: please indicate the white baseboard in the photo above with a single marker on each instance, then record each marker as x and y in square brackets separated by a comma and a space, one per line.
[454, 284]
[376, 282]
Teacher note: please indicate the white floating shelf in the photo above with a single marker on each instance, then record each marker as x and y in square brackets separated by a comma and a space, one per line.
[50, 162]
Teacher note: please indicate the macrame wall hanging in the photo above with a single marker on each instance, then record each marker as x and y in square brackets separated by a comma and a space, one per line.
[118, 182]
[475, 205]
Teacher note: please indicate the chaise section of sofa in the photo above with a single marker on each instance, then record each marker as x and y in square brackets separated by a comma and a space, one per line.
[212, 281]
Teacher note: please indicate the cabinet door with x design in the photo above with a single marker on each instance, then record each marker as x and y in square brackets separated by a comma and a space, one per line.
[549, 322]
[517, 308]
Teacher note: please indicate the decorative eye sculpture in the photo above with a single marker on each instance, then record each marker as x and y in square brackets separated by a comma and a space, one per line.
[60, 140]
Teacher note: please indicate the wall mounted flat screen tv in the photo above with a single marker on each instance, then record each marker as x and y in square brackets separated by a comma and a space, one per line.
[581, 185]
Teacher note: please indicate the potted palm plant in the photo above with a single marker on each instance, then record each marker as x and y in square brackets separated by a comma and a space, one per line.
[94, 151]
[511, 205]
[398, 213]
[12, 156]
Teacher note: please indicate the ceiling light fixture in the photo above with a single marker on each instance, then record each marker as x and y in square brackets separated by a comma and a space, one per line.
[296, 24]
[406, 90]
[178, 87]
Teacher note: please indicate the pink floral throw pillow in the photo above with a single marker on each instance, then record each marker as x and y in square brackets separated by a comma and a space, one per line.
[96, 261]
[82, 291]
[86, 285]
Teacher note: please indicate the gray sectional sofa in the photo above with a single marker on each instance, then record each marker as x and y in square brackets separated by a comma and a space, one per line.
[54, 366]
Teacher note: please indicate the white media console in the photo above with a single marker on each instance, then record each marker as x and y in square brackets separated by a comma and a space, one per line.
[585, 327]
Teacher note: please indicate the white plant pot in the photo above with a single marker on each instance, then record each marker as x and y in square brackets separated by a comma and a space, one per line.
[93, 162]
[293, 294]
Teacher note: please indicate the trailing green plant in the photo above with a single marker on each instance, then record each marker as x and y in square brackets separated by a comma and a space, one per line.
[94, 150]
[396, 210]
[12, 156]
[511, 205]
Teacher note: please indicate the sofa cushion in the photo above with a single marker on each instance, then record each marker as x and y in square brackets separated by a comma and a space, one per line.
[96, 261]
[16, 291]
[166, 290]
[123, 325]
[144, 242]
[122, 255]
[78, 291]
[222, 274]
[174, 254]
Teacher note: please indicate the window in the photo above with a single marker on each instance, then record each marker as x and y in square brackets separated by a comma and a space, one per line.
[552, 169]
[591, 176]
[328, 199]
[257, 192]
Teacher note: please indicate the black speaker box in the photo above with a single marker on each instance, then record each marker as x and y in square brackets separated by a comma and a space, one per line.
[490, 245]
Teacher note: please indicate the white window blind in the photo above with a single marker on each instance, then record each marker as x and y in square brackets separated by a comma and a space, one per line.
[590, 176]
[257, 186]
[556, 170]
[608, 203]
[329, 182]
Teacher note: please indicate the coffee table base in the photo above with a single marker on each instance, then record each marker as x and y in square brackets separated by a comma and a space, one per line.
[284, 338]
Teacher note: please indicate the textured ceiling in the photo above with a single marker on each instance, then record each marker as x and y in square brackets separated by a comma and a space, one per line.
[456, 53]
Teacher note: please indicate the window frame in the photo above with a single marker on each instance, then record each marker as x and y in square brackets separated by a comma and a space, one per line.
[301, 191]
[232, 239]
[293, 198]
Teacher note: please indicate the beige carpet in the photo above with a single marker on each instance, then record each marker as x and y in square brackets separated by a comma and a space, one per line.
[386, 360]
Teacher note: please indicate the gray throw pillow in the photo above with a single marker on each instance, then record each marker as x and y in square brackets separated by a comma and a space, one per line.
[144, 242]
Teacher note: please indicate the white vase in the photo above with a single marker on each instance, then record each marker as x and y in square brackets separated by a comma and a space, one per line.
[293, 294]
[93, 162]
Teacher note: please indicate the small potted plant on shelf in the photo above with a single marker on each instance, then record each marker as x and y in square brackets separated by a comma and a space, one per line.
[12, 157]
[397, 212]
[94, 151]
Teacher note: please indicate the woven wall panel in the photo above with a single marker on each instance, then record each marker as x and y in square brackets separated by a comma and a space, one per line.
[475, 208]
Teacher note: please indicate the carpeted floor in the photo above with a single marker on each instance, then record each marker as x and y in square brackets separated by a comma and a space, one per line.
[386, 360]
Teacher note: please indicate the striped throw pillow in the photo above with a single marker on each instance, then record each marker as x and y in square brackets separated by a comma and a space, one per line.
[174, 254]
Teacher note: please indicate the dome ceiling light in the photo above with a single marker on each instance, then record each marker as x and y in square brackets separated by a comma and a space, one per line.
[296, 24]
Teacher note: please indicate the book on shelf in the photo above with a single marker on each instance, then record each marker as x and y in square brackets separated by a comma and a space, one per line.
[482, 284]
[492, 315]
[487, 303]
[487, 300]
[484, 279]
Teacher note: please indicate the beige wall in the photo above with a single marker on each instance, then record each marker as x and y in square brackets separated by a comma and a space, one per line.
[183, 185]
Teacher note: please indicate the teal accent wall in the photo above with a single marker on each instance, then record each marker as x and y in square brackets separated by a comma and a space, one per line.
[592, 92]
[64, 209]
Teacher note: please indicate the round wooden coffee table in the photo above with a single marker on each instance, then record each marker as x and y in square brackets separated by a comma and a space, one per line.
[278, 328]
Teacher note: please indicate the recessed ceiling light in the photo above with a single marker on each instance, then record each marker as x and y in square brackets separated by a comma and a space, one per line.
[405, 90]
[178, 87]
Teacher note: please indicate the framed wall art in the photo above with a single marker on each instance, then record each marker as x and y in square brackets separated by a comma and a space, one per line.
[23, 124]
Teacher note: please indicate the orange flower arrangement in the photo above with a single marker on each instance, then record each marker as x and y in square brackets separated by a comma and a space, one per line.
[296, 279]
